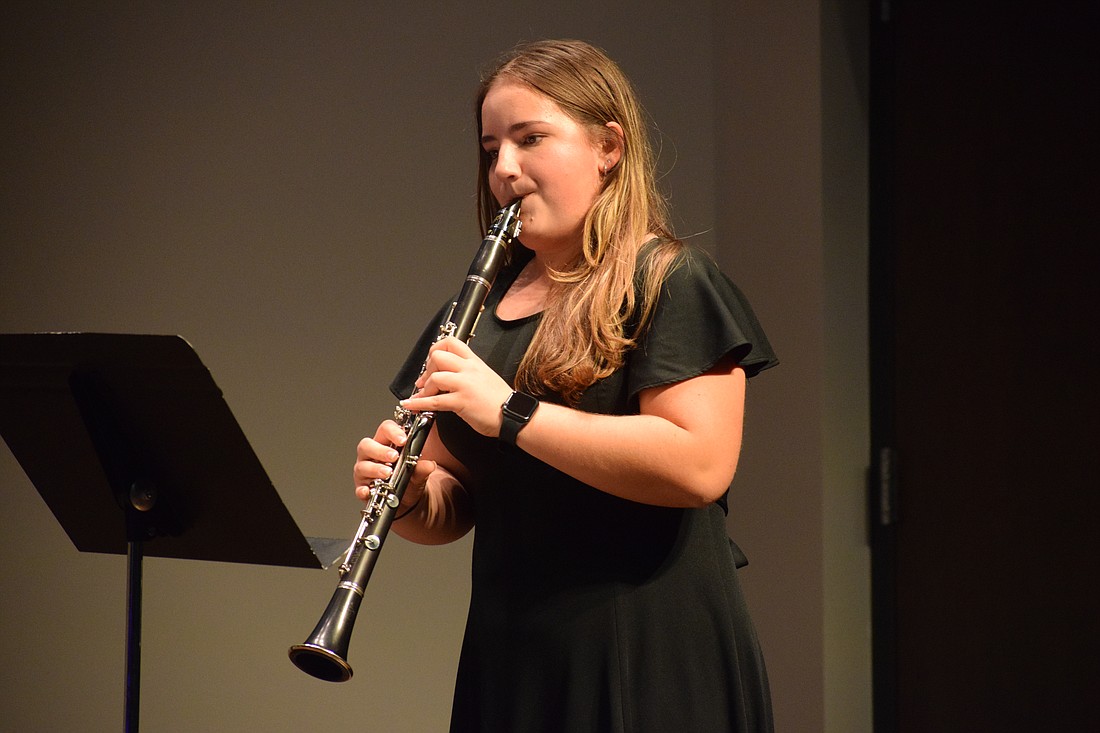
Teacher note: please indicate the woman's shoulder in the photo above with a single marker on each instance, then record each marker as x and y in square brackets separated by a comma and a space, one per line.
[674, 260]
[700, 314]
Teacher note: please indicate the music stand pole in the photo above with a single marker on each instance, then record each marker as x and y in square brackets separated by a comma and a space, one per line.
[134, 557]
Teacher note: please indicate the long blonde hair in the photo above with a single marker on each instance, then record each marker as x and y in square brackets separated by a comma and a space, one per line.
[582, 335]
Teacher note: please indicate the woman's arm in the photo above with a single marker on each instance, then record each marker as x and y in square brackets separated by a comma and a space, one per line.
[436, 507]
[682, 449]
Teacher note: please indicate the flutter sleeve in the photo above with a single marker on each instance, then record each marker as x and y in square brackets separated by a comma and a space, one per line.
[699, 318]
[404, 382]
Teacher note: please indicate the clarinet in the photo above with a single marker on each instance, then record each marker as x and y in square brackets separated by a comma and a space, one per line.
[324, 653]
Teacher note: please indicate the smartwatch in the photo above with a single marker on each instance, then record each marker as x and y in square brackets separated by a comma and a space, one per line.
[516, 412]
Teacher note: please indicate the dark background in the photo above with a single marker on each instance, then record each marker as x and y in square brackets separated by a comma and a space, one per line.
[985, 218]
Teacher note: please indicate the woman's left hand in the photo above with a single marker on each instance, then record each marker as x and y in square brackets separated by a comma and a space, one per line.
[455, 379]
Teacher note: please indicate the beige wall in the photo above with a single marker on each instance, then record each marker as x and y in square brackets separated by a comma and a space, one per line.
[290, 189]
[769, 148]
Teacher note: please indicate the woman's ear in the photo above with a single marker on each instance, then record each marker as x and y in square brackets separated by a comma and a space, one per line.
[612, 145]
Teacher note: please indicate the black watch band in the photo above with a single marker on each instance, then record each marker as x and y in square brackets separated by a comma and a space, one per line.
[515, 413]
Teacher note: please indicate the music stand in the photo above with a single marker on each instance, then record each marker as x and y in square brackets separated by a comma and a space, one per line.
[129, 441]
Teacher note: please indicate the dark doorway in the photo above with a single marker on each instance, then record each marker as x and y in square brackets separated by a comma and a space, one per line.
[984, 231]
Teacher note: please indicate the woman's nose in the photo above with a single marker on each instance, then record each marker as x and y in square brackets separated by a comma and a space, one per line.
[506, 166]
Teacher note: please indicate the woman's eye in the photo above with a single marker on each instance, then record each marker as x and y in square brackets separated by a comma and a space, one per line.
[532, 139]
[491, 154]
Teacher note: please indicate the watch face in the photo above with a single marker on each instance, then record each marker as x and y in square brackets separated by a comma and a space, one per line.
[521, 405]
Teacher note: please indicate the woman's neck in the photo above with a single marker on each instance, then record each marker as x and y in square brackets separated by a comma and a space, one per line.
[527, 294]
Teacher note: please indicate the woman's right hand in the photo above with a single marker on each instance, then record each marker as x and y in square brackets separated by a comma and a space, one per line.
[374, 460]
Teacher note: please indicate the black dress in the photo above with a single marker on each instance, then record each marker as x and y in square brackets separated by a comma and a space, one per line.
[591, 613]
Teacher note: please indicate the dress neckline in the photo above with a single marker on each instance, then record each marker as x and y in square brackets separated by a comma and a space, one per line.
[505, 281]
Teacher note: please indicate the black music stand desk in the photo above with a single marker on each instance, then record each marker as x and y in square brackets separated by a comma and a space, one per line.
[131, 445]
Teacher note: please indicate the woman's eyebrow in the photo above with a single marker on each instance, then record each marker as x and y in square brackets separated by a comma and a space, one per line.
[512, 129]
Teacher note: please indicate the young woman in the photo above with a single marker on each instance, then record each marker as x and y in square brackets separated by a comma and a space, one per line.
[589, 432]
